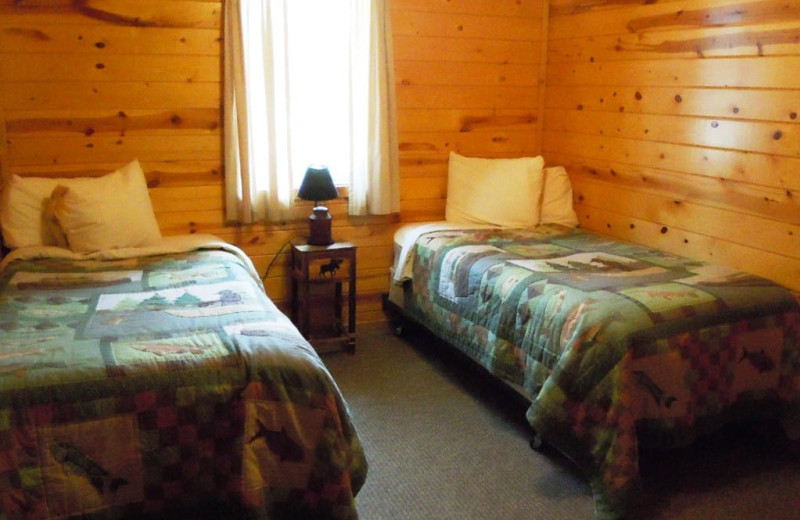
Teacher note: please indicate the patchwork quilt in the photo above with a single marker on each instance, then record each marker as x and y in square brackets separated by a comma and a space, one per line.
[614, 343]
[143, 385]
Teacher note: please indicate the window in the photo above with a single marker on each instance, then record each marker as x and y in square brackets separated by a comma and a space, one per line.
[308, 82]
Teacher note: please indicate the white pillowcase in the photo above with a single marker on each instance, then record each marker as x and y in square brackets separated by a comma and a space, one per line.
[557, 205]
[108, 212]
[500, 192]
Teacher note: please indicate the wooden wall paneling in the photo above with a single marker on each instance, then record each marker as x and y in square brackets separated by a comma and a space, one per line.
[731, 226]
[577, 18]
[110, 67]
[87, 86]
[97, 40]
[468, 79]
[776, 138]
[204, 14]
[476, 97]
[681, 117]
[111, 149]
[745, 72]
[730, 165]
[411, 47]
[765, 40]
[78, 95]
[687, 243]
[465, 120]
[98, 122]
[471, 26]
[518, 8]
[765, 202]
[749, 104]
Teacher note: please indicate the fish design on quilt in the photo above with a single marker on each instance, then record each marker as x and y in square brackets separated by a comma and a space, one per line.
[659, 396]
[77, 463]
[759, 360]
[279, 443]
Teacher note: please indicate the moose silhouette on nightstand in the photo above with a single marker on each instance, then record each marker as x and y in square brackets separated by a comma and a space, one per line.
[330, 268]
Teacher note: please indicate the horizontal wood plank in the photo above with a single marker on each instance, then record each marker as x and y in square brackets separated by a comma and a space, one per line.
[99, 122]
[422, 8]
[124, 13]
[768, 203]
[429, 72]
[743, 104]
[120, 97]
[465, 25]
[760, 72]
[101, 40]
[778, 139]
[463, 50]
[19, 67]
[737, 166]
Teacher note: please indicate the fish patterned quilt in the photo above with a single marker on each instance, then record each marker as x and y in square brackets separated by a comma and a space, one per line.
[613, 343]
[160, 383]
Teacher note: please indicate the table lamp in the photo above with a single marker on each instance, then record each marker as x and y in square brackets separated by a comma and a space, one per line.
[318, 186]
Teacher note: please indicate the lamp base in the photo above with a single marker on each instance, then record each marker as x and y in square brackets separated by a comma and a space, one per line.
[319, 227]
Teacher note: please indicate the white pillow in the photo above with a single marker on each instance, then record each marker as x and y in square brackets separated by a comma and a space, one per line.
[22, 209]
[557, 198]
[109, 212]
[500, 192]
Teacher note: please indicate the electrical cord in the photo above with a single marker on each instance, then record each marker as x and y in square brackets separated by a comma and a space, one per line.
[288, 242]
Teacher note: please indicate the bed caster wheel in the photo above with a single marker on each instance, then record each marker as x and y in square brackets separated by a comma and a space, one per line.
[399, 331]
[536, 443]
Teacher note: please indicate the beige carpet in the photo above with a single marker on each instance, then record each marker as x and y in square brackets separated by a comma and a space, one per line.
[445, 443]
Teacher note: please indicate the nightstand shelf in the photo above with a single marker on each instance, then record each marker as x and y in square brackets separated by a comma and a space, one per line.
[318, 276]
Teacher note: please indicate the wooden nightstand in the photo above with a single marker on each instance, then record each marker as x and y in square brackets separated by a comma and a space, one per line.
[315, 270]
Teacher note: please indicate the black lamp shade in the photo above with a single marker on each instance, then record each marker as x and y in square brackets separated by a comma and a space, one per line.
[317, 185]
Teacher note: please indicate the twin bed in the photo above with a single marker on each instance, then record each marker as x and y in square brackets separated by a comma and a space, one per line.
[153, 376]
[614, 345]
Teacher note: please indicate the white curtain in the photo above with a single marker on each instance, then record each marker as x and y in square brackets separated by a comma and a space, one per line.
[262, 156]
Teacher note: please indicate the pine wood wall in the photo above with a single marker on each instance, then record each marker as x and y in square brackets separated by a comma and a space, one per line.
[88, 85]
[469, 79]
[678, 121]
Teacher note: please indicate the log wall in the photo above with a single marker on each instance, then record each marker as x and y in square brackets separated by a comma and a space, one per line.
[678, 122]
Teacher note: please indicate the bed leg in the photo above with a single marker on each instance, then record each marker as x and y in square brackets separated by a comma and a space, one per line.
[537, 442]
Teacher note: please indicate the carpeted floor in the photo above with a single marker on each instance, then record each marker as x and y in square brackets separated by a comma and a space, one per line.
[443, 442]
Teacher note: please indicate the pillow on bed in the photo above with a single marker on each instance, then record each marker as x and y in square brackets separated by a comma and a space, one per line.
[22, 210]
[557, 198]
[110, 212]
[500, 192]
